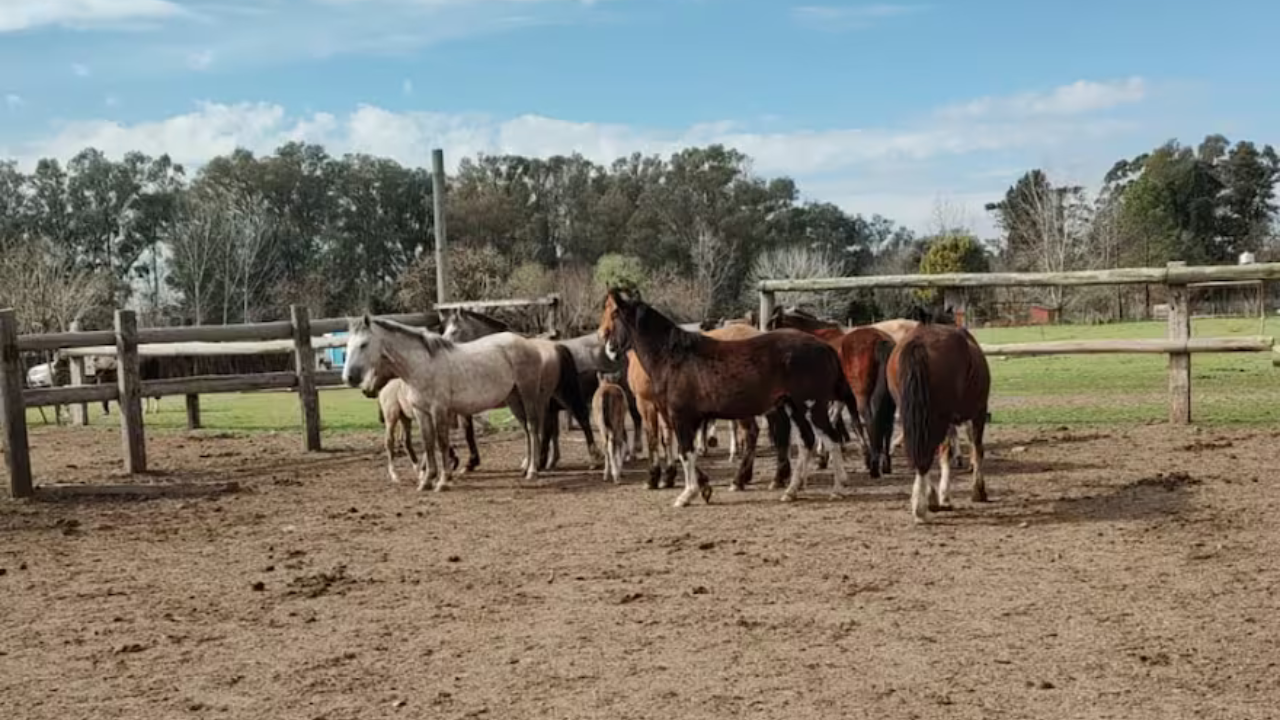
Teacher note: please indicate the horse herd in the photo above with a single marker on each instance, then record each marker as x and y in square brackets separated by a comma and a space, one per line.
[807, 377]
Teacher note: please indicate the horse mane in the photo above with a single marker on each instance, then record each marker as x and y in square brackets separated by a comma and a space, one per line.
[678, 341]
[433, 342]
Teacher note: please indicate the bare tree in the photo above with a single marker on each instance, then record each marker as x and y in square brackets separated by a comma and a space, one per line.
[798, 262]
[197, 241]
[46, 289]
[1054, 227]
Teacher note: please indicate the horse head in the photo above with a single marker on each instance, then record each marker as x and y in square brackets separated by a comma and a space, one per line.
[365, 363]
[618, 321]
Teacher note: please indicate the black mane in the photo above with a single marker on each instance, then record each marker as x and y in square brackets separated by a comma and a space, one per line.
[676, 341]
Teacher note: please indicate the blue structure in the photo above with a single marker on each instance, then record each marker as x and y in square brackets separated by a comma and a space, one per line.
[337, 355]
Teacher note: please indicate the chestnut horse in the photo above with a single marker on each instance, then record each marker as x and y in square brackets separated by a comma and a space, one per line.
[939, 377]
[864, 353]
[696, 378]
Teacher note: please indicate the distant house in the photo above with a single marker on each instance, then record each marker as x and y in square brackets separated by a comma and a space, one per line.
[1042, 315]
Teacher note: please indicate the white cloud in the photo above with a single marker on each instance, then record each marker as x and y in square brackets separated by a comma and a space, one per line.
[850, 17]
[13, 101]
[1081, 96]
[201, 60]
[896, 171]
[25, 14]
[80, 70]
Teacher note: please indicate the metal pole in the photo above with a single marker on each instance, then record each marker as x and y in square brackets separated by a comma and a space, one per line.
[438, 204]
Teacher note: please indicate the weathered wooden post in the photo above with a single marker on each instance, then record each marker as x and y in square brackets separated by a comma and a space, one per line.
[193, 412]
[305, 361]
[1179, 299]
[438, 222]
[766, 308]
[13, 409]
[553, 314]
[79, 411]
[129, 382]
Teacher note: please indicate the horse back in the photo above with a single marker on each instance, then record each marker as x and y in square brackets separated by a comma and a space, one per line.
[959, 376]
[859, 359]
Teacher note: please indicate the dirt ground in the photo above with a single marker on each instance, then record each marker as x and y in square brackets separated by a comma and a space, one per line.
[1117, 574]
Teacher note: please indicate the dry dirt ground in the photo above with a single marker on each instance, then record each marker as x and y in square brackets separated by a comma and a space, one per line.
[1123, 574]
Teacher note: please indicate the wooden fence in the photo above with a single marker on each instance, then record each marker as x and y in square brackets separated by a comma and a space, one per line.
[128, 343]
[1177, 277]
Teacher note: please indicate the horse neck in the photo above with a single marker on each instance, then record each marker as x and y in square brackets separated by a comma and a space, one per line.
[407, 356]
[653, 338]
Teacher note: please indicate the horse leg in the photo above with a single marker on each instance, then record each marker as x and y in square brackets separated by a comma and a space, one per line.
[426, 427]
[667, 440]
[941, 499]
[637, 422]
[406, 423]
[780, 436]
[695, 481]
[977, 427]
[469, 434]
[733, 437]
[821, 420]
[440, 425]
[389, 444]
[807, 442]
[700, 440]
[747, 467]
[534, 401]
[550, 442]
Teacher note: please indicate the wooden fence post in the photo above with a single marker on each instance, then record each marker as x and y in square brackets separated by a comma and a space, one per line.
[1179, 299]
[193, 412]
[305, 361]
[553, 314]
[13, 409]
[129, 382]
[79, 411]
[766, 308]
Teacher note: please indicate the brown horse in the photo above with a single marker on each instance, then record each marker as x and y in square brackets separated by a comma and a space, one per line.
[939, 377]
[659, 437]
[864, 354]
[695, 378]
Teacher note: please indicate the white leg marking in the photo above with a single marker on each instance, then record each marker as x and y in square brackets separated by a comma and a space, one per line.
[840, 477]
[919, 499]
[690, 479]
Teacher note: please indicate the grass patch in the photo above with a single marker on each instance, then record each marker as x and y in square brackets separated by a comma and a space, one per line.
[341, 410]
[1228, 388]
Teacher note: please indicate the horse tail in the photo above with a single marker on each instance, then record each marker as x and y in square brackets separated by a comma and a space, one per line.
[881, 401]
[569, 390]
[914, 363]
[844, 393]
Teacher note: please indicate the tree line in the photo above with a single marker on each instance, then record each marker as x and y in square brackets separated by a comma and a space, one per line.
[245, 236]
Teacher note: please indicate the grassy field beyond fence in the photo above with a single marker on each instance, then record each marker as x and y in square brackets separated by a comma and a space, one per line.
[1229, 388]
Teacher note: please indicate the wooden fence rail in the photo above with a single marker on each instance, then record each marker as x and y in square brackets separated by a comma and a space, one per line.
[128, 344]
[1177, 277]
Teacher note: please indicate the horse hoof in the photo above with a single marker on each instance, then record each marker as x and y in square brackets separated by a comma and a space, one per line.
[706, 495]
[943, 508]
[472, 464]
[980, 497]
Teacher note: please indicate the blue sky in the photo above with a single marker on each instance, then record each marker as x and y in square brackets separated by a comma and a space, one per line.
[914, 111]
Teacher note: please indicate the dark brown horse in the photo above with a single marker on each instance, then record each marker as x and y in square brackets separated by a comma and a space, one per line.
[939, 377]
[696, 378]
[864, 355]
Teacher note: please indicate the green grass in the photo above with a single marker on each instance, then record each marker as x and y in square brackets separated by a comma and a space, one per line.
[341, 409]
[1228, 388]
